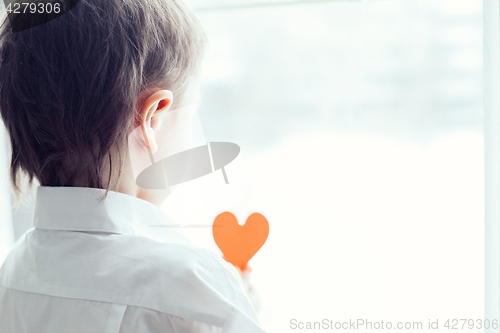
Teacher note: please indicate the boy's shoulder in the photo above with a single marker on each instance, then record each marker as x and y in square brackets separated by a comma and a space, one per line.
[168, 277]
[183, 261]
[187, 276]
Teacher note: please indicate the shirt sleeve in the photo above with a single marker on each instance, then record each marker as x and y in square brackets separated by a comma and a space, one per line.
[243, 317]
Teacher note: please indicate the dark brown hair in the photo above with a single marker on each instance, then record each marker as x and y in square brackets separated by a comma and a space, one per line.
[69, 88]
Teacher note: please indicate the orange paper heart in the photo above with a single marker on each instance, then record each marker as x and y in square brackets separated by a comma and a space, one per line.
[239, 243]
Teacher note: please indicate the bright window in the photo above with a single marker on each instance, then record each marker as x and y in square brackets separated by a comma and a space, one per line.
[360, 124]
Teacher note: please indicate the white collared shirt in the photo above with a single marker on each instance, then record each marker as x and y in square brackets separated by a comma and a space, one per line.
[115, 266]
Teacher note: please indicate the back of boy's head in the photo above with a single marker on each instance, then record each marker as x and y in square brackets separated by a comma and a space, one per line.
[69, 88]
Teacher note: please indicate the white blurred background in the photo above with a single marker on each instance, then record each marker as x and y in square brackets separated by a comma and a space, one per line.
[360, 124]
[360, 127]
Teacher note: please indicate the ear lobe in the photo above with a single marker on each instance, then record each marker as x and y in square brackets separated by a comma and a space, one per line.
[148, 134]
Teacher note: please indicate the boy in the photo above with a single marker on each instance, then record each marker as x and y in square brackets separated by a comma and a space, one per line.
[71, 92]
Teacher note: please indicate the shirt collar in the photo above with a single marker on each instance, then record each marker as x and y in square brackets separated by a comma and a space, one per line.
[81, 209]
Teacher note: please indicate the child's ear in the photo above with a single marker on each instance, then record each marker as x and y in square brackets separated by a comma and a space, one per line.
[156, 104]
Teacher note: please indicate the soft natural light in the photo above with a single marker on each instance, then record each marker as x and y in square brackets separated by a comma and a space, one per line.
[361, 132]
[360, 127]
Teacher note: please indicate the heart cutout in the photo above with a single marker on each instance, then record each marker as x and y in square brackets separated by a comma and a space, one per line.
[239, 243]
